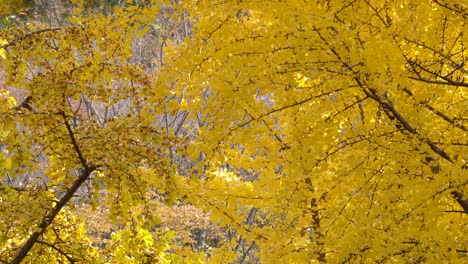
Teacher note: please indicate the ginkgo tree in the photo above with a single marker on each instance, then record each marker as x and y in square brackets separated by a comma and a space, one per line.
[61, 68]
[314, 131]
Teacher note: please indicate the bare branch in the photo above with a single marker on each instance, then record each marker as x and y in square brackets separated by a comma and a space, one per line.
[72, 260]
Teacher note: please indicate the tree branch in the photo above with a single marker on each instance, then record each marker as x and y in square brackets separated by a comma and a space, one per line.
[448, 82]
[386, 104]
[74, 143]
[72, 260]
[50, 216]
[27, 35]
[459, 9]
[462, 202]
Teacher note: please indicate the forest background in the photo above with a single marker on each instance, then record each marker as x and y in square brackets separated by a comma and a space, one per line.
[233, 131]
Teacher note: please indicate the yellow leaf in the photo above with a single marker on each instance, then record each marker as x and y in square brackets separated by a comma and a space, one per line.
[2, 50]
[8, 163]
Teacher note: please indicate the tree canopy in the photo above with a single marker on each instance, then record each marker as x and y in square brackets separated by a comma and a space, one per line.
[309, 131]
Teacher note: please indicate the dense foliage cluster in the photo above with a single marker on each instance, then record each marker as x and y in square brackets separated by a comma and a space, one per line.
[297, 131]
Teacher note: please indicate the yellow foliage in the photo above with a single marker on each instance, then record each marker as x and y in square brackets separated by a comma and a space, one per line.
[310, 131]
